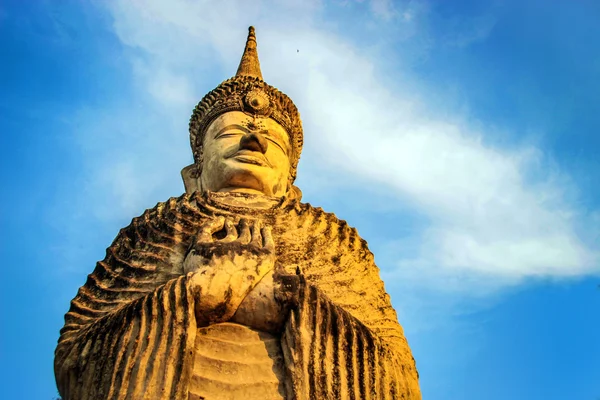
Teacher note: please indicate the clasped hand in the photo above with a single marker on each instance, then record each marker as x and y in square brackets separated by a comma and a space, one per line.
[223, 271]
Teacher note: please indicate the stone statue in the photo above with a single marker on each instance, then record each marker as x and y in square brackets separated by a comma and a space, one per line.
[236, 289]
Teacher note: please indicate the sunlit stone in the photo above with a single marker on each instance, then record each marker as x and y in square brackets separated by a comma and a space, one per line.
[236, 289]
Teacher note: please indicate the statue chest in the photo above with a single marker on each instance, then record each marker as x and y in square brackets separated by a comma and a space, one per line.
[232, 361]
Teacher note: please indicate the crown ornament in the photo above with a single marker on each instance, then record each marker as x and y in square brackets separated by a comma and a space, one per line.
[257, 100]
[247, 92]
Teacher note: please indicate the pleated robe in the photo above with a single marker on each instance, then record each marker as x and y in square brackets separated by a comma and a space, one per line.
[130, 331]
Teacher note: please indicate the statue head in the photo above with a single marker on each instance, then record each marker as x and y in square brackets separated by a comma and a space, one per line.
[245, 135]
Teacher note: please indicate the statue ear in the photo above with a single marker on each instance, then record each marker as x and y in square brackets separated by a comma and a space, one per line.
[190, 178]
[294, 193]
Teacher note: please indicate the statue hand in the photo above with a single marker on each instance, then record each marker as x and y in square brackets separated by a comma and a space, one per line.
[288, 287]
[266, 307]
[260, 310]
[223, 271]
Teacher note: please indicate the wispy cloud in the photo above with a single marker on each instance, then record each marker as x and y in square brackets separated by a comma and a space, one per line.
[494, 213]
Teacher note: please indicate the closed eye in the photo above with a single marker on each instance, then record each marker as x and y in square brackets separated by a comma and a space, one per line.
[277, 144]
[229, 134]
[273, 139]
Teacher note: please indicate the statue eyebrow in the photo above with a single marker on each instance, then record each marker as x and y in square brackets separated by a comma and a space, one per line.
[236, 126]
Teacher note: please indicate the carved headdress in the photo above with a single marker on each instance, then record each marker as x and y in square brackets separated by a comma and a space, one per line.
[247, 92]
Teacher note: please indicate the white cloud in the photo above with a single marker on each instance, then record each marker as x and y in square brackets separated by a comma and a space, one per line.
[488, 217]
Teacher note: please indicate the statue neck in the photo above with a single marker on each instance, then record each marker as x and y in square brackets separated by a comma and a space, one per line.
[243, 199]
[242, 190]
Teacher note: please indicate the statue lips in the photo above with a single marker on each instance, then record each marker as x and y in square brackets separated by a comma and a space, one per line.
[251, 157]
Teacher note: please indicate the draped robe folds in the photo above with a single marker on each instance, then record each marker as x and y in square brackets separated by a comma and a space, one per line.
[130, 331]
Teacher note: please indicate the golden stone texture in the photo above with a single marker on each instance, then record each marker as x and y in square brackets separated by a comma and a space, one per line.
[236, 289]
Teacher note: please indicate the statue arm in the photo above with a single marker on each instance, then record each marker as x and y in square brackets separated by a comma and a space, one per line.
[345, 315]
[138, 348]
[329, 352]
[131, 325]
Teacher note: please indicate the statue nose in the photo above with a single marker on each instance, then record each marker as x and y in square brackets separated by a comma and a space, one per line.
[254, 142]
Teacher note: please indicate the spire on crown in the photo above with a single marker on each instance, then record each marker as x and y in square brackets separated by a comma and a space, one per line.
[249, 64]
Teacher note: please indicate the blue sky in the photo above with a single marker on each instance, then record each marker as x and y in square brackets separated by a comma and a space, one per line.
[460, 138]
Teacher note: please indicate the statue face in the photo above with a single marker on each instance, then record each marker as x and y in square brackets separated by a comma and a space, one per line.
[245, 154]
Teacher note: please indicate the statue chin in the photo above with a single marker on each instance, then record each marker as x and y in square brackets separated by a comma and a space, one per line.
[247, 178]
[245, 182]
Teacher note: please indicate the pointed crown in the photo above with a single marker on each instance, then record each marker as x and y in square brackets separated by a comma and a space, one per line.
[247, 92]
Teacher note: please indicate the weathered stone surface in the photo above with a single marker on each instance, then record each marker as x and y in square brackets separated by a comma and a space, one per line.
[233, 361]
[236, 289]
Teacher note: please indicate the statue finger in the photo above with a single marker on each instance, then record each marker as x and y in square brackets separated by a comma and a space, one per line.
[244, 237]
[231, 232]
[256, 235]
[267, 237]
[209, 228]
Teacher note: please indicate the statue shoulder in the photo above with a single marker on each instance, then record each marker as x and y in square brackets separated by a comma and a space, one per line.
[185, 210]
[163, 228]
[308, 210]
[328, 226]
